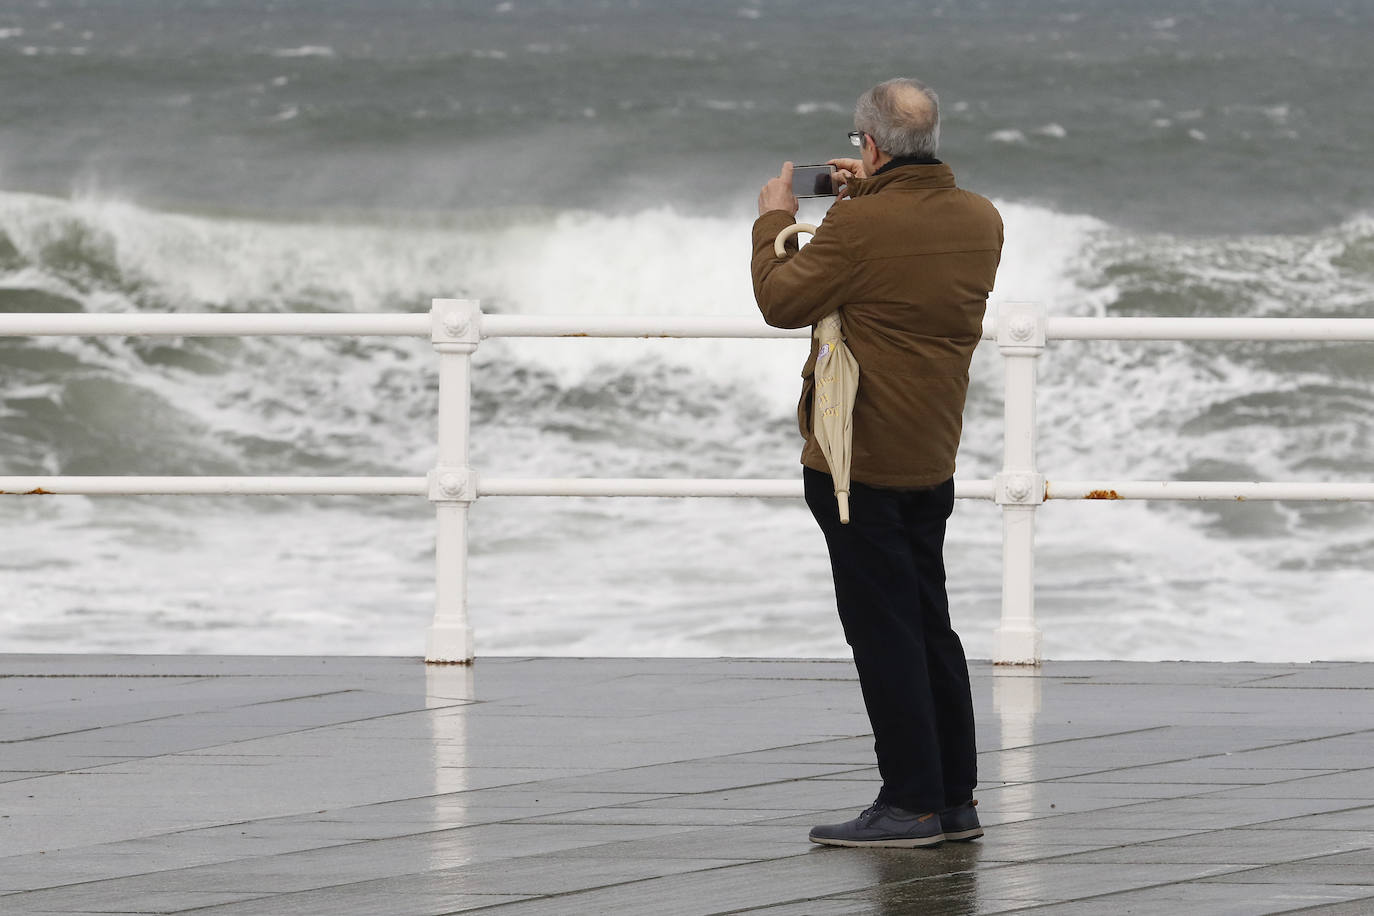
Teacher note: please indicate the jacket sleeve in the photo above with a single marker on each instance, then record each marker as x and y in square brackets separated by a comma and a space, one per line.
[801, 289]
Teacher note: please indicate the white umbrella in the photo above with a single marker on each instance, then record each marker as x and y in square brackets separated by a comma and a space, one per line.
[837, 382]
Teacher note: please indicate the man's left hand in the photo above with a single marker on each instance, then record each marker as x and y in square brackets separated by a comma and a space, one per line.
[777, 194]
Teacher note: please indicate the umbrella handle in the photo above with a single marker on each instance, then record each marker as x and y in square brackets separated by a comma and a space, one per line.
[784, 235]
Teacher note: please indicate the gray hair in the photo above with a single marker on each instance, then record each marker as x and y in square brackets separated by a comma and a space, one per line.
[902, 116]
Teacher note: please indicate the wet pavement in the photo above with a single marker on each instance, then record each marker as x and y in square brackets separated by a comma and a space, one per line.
[144, 784]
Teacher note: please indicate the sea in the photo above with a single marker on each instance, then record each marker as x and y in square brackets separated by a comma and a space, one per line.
[602, 157]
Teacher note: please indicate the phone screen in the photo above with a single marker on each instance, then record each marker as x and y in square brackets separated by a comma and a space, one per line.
[813, 181]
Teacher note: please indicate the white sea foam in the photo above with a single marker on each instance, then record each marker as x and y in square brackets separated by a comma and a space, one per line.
[808, 108]
[1009, 135]
[727, 104]
[1177, 580]
[305, 51]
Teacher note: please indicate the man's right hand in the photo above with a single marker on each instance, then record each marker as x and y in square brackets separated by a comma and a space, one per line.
[777, 194]
[846, 169]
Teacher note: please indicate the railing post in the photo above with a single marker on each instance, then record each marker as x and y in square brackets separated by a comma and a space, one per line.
[1020, 489]
[455, 331]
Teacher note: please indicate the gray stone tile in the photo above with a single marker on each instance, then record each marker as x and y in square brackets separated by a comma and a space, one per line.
[1054, 881]
[1090, 787]
[691, 817]
[740, 887]
[882, 905]
[1204, 773]
[944, 895]
[664, 785]
[823, 906]
[1364, 855]
[1172, 899]
[361, 901]
[1361, 906]
[89, 898]
[1348, 784]
[696, 776]
[736, 842]
[551, 875]
[16, 775]
[1045, 830]
[1359, 818]
[1234, 847]
[1208, 813]
[801, 793]
[1308, 871]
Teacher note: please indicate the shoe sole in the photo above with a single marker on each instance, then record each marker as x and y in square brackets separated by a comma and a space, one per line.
[964, 836]
[893, 843]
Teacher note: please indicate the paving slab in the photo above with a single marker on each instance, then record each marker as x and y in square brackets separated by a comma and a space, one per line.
[260, 785]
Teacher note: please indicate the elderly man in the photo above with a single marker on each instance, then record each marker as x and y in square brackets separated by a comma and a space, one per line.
[909, 259]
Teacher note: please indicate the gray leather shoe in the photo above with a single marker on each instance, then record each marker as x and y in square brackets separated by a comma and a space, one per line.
[883, 825]
[960, 823]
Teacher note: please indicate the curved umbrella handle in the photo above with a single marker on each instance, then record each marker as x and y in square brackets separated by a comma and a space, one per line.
[784, 235]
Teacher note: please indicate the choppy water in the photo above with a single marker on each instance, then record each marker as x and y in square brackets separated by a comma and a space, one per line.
[603, 158]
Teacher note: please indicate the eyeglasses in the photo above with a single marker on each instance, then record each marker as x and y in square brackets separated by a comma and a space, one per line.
[856, 137]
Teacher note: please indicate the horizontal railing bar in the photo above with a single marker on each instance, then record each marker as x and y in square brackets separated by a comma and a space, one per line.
[1061, 328]
[673, 487]
[418, 324]
[644, 486]
[209, 486]
[1296, 329]
[654, 486]
[417, 486]
[221, 324]
[763, 488]
[632, 326]
[1207, 490]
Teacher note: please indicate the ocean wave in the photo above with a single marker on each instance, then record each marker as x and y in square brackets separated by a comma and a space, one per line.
[690, 408]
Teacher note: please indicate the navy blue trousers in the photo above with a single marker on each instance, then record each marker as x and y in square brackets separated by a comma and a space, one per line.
[889, 570]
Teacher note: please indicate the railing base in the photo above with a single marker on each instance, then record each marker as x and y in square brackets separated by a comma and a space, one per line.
[1016, 646]
[449, 645]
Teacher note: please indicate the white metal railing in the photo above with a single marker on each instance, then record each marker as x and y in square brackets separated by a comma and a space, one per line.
[456, 327]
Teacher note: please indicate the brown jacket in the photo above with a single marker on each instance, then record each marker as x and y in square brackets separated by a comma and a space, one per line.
[911, 259]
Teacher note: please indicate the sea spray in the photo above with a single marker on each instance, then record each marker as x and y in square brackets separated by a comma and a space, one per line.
[640, 576]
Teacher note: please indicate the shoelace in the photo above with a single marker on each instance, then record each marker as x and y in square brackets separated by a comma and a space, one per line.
[871, 812]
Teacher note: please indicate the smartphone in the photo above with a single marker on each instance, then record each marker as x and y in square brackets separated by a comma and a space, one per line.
[813, 181]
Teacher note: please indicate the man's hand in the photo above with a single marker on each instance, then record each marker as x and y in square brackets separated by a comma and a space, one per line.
[846, 169]
[777, 194]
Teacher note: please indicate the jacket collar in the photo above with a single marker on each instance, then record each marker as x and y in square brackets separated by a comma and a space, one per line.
[907, 160]
[907, 177]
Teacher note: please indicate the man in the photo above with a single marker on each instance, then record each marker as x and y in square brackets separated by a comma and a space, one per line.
[910, 260]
